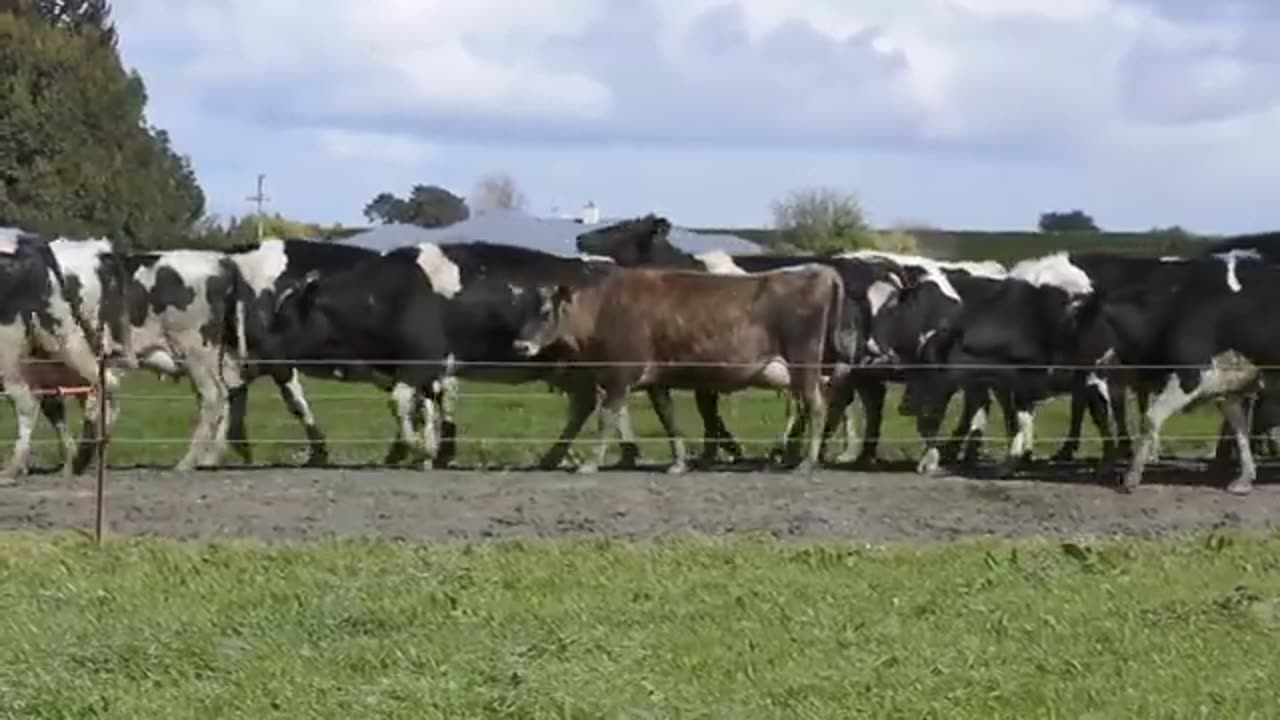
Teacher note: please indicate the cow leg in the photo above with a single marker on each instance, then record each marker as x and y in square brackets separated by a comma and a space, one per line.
[1023, 437]
[716, 435]
[448, 425]
[1071, 444]
[1120, 417]
[1099, 400]
[582, 402]
[842, 391]
[237, 432]
[615, 400]
[28, 410]
[871, 395]
[929, 416]
[967, 437]
[1233, 412]
[1171, 400]
[54, 410]
[404, 403]
[1144, 407]
[814, 402]
[666, 412]
[294, 399]
[211, 400]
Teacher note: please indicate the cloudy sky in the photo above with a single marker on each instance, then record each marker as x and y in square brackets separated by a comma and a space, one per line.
[957, 113]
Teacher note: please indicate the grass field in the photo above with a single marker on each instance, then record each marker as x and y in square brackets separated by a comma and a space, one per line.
[744, 629]
[509, 425]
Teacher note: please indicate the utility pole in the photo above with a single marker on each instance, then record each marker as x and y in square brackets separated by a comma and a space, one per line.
[259, 198]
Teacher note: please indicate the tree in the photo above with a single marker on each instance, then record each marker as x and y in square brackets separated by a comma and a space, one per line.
[498, 191]
[77, 156]
[821, 220]
[1065, 222]
[427, 206]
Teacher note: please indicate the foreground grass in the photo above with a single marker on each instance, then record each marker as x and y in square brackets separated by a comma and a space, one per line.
[152, 629]
[510, 426]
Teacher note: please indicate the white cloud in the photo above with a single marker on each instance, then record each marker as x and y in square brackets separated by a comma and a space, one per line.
[390, 148]
[1090, 87]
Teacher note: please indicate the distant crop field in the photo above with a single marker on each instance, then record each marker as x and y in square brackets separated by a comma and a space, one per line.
[586, 629]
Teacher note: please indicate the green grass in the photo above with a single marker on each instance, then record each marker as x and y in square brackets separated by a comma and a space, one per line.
[510, 425]
[690, 629]
[502, 425]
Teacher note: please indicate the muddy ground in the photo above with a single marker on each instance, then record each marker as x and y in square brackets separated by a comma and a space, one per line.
[295, 504]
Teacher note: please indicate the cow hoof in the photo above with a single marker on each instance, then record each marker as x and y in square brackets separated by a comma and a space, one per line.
[1240, 486]
[185, 466]
[8, 480]
[804, 467]
[630, 457]
[678, 468]
[928, 464]
[588, 469]
[847, 457]
[1131, 483]
[1064, 455]
[318, 459]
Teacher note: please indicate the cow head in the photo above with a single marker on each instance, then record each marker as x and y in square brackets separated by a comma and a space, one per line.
[638, 241]
[544, 319]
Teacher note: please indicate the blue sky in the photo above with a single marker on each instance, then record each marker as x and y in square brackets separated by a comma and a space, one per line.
[954, 113]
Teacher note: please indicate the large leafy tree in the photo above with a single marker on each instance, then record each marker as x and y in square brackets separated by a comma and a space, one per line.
[76, 153]
[427, 205]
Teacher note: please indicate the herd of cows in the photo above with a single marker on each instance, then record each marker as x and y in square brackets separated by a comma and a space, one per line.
[633, 312]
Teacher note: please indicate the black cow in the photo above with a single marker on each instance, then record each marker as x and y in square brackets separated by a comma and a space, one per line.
[270, 267]
[1201, 333]
[462, 308]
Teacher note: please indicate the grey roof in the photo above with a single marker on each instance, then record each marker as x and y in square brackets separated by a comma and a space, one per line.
[552, 235]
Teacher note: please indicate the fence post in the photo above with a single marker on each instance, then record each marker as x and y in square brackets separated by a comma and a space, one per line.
[101, 449]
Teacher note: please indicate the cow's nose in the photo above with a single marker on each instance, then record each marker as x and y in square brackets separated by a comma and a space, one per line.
[525, 348]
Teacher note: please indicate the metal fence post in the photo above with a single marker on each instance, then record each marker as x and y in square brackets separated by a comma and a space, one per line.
[101, 449]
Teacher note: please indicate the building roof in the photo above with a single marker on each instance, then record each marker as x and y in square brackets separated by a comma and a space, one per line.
[551, 235]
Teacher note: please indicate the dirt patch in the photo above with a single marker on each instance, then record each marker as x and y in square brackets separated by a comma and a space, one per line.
[294, 504]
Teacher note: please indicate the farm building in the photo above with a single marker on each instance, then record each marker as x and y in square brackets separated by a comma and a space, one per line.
[553, 235]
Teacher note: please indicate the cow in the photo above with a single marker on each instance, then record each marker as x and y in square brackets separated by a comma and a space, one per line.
[187, 310]
[933, 296]
[642, 242]
[1109, 273]
[414, 318]
[1007, 342]
[269, 267]
[662, 329]
[39, 324]
[1199, 334]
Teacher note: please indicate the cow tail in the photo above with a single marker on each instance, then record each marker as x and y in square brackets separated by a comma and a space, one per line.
[842, 342]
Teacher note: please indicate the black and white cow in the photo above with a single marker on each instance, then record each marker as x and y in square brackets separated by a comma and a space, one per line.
[933, 296]
[43, 341]
[1007, 342]
[187, 309]
[435, 313]
[643, 242]
[1204, 333]
[1110, 273]
[269, 267]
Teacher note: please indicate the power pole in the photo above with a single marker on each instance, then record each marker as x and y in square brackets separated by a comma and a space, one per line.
[259, 199]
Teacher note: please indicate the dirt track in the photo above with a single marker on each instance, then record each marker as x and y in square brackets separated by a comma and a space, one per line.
[285, 504]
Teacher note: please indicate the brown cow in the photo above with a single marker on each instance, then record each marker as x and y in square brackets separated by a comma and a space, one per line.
[663, 329]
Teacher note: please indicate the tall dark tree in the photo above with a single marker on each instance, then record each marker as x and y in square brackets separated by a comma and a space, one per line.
[427, 206]
[76, 153]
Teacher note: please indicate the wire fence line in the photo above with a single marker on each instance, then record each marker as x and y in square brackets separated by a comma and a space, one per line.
[451, 365]
[57, 382]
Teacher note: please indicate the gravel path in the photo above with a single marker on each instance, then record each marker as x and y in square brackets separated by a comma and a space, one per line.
[294, 504]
